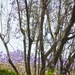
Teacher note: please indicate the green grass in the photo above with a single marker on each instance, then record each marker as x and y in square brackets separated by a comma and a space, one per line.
[7, 72]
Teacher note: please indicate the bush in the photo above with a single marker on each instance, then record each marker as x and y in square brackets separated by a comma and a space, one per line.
[7, 72]
[50, 72]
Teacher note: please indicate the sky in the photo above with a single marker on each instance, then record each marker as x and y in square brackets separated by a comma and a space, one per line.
[12, 45]
[2, 48]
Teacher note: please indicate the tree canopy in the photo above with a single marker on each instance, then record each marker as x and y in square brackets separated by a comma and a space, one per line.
[47, 24]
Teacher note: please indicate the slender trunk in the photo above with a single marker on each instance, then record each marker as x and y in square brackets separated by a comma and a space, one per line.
[28, 57]
[13, 66]
[61, 66]
[42, 71]
[39, 63]
[25, 58]
[35, 63]
[8, 55]
[30, 40]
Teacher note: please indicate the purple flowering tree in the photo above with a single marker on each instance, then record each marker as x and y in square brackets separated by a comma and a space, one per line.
[43, 23]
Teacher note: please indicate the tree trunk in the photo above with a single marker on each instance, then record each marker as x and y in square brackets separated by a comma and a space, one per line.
[8, 55]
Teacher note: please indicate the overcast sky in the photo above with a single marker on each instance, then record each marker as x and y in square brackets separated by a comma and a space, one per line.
[2, 46]
[12, 45]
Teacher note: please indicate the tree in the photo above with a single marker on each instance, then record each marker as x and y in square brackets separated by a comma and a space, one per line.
[46, 22]
[5, 37]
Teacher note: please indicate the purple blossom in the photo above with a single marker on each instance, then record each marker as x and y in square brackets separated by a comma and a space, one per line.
[38, 24]
[56, 7]
[52, 65]
[59, 25]
[49, 8]
[32, 54]
[13, 2]
[21, 8]
[38, 48]
[72, 66]
[70, 8]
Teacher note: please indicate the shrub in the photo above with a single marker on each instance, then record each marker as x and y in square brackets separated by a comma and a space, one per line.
[50, 72]
[7, 72]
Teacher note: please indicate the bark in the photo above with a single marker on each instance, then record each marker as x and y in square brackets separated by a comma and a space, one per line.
[35, 59]
[42, 71]
[61, 65]
[30, 40]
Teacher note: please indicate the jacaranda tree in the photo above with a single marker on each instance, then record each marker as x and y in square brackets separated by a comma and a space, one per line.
[42, 23]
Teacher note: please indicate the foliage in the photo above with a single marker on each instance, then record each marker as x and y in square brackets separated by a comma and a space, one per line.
[7, 72]
[50, 72]
[16, 56]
